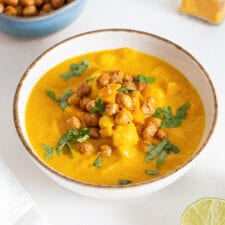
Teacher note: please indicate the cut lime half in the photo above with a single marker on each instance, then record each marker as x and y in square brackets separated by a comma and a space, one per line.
[206, 211]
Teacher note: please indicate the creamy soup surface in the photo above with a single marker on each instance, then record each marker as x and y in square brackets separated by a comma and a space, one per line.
[114, 117]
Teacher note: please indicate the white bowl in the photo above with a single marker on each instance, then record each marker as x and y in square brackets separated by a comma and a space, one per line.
[111, 39]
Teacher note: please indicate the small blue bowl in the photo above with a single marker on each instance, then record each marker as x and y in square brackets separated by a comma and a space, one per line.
[41, 25]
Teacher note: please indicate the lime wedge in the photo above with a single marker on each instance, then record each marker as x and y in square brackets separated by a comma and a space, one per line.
[206, 211]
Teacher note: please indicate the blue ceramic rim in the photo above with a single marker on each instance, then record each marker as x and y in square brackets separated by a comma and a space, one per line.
[41, 17]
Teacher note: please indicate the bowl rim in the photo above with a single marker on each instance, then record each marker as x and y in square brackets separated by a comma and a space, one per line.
[111, 187]
[41, 17]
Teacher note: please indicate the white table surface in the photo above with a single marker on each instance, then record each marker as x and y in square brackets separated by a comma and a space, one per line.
[207, 178]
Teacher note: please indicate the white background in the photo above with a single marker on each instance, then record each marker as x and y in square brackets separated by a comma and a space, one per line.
[207, 178]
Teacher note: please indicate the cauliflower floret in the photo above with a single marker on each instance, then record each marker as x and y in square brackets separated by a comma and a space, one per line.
[106, 124]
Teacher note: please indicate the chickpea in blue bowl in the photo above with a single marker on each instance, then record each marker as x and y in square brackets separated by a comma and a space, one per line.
[35, 18]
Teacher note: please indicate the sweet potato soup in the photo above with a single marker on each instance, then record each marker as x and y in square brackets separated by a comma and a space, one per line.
[114, 117]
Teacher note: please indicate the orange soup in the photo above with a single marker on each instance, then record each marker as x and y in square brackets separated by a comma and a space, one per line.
[114, 117]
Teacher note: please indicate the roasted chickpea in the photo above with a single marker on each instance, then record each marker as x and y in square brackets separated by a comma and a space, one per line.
[149, 131]
[10, 10]
[105, 151]
[149, 106]
[111, 109]
[39, 3]
[83, 90]
[57, 3]
[42, 12]
[103, 80]
[25, 3]
[129, 84]
[11, 2]
[140, 86]
[161, 134]
[47, 7]
[85, 147]
[1, 7]
[94, 132]
[122, 118]
[125, 101]
[156, 121]
[92, 119]
[30, 10]
[116, 77]
[91, 104]
[73, 99]
[83, 102]
[73, 123]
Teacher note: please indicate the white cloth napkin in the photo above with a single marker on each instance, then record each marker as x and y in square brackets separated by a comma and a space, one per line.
[16, 206]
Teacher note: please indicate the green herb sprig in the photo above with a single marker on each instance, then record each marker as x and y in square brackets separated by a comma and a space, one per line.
[61, 101]
[124, 182]
[169, 120]
[161, 151]
[152, 172]
[76, 69]
[98, 162]
[72, 136]
[99, 106]
[126, 90]
[143, 79]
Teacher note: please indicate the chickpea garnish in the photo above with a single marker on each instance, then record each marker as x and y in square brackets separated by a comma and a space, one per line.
[10, 10]
[85, 147]
[90, 105]
[83, 90]
[126, 101]
[105, 151]
[161, 134]
[47, 7]
[30, 10]
[25, 3]
[103, 80]
[149, 131]
[129, 84]
[73, 123]
[156, 121]
[83, 102]
[116, 77]
[92, 119]
[11, 2]
[39, 3]
[111, 109]
[57, 3]
[73, 99]
[149, 106]
[94, 132]
[143, 145]
[122, 118]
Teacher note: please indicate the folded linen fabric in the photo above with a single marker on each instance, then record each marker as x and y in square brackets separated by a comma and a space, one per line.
[16, 206]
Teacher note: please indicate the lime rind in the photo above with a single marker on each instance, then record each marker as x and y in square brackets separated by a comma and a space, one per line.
[205, 211]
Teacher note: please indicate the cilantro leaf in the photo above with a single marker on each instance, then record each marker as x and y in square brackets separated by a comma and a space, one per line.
[52, 95]
[89, 79]
[62, 101]
[126, 90]
[99, 108]
[153, 152]
[152, 172]
[98, 162]
[169, 120]
[124, 182]
[161, 159]
[162, 150]
[48, 151]
[142, 79]
[76, 69]
[72, 136]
